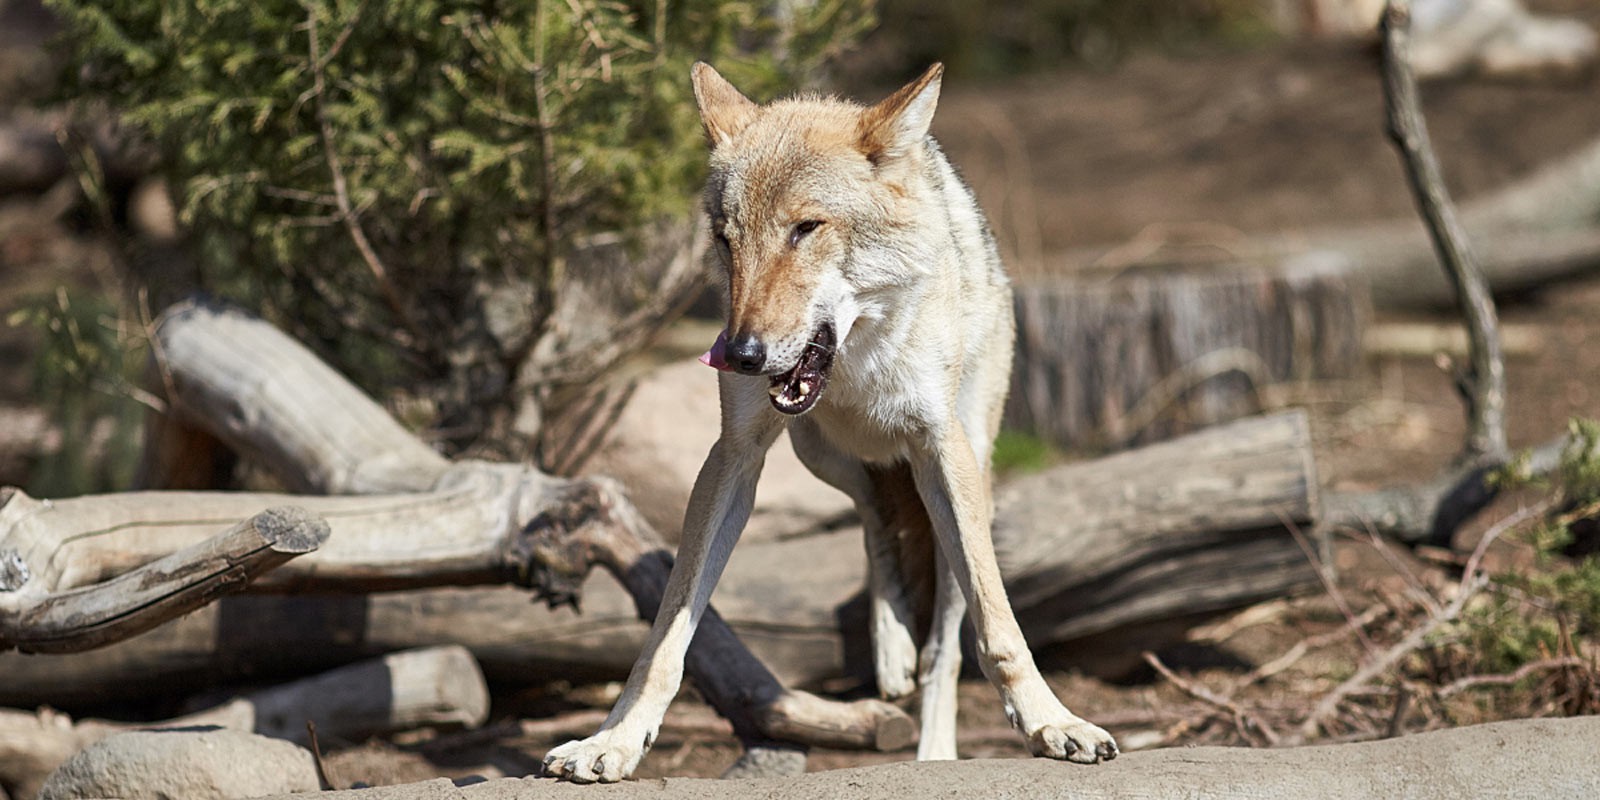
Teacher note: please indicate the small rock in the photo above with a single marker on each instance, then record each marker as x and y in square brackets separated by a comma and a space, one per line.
[191, 763]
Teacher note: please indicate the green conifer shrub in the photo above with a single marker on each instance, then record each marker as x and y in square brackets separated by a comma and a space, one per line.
[410, 185]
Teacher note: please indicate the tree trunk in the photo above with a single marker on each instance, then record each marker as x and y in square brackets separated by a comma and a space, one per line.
[1108, 359]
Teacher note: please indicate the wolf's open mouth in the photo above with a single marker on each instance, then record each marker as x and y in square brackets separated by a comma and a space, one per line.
[796, 391]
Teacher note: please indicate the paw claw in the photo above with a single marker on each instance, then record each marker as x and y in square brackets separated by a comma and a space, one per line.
[602, 758]
[1076, 741]
[1106, 750]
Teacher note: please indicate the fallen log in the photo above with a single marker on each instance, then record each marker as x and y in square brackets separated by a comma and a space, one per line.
[1516, 759]
[471, 523]
[1192, 526]
[437, 687]
[43, 609]
[487, 524]
[1198, 525]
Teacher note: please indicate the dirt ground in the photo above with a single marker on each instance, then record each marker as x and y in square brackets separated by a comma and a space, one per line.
[1281, 139]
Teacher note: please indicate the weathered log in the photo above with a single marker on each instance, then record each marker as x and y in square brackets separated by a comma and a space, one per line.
[1191, 526]
[487, 524]
[1109, 358]
[1517, 759]
[439, 686]
[1534, 233]
[266, 396]
[471, 523]
[41, 612]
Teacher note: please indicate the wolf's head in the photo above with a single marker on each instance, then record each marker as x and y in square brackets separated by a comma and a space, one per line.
[815, 205]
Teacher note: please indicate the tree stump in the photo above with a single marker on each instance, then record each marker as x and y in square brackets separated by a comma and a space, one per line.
[1108, 359]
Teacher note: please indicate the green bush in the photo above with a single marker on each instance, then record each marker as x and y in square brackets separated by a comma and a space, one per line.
[1535, 610]
[474, 143]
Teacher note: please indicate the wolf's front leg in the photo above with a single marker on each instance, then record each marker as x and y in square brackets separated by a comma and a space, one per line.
[956, 493]
[719, 506]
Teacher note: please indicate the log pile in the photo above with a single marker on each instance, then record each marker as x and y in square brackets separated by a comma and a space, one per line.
[1139, 520]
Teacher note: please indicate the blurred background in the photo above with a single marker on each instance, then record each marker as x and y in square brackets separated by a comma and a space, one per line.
[146, 154]
[149, 154]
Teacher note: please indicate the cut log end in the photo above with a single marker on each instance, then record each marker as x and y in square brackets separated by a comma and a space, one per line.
[803, 717]
[291, 529]
[13, 570]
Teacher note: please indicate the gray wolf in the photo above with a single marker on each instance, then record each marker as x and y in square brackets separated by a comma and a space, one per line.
[870, 316]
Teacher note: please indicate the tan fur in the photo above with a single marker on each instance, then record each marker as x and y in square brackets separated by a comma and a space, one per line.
[901, 265]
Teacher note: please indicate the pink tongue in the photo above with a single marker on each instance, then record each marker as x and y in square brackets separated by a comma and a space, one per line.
[713, 357]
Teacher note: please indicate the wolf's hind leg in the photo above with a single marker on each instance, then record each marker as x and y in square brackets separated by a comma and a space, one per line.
[891, 619]
[940, 668]
[891, 616]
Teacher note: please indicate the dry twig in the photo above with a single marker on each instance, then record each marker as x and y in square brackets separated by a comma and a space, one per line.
[1526, 670]
[1243, 720]
[1472, 580]
[1430, 513]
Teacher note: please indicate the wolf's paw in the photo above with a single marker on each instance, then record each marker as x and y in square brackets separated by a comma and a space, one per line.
[605, 757]
[894, 655]
[1073, 741]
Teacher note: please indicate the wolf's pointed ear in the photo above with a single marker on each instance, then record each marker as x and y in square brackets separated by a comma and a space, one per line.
[723, 110]
[891, 128]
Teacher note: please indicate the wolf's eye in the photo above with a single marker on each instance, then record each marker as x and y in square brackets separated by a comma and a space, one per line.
[723, 248]
[801, 229]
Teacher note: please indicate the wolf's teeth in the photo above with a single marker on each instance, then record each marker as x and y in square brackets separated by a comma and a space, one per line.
[774, 390]
[805, 388]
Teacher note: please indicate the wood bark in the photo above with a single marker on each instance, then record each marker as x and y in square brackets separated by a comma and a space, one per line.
[1107, 358]
[1516, 759]
[470, 523]
[1196, 525]
[438, 686]
[1483, 385]
[42, 609]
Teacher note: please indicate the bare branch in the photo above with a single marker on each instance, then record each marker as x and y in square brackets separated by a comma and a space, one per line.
[1484, 384]
[341, 189]
[1471, 582]
[1526, 670]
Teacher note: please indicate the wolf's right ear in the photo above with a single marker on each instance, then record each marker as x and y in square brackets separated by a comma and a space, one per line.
[723, 110]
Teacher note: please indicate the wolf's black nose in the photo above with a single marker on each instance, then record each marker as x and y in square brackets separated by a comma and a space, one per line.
[746, 354]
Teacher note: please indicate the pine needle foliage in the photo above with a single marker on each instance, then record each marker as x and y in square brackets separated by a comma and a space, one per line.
[368, 173]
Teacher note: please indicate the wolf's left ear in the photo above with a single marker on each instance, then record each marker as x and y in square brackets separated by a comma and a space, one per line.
[894, 126]
[723, 109]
